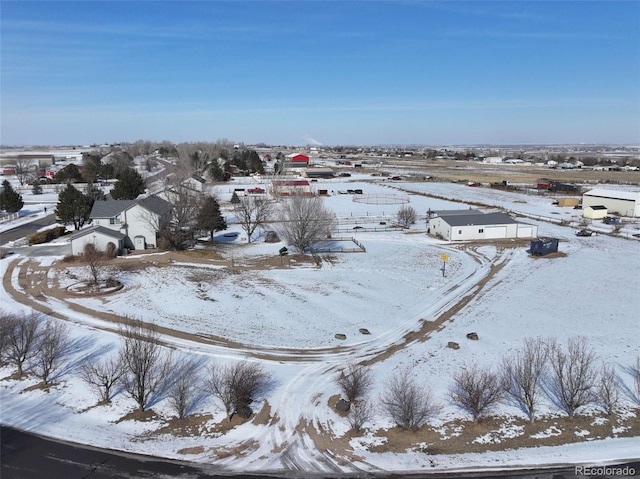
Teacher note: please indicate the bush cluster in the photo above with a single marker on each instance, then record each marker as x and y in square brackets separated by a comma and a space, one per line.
[47, 235]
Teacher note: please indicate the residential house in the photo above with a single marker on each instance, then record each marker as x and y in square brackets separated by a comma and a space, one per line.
[129, 224]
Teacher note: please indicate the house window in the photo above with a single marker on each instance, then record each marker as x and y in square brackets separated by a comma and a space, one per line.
[481, 230]
[113, 221]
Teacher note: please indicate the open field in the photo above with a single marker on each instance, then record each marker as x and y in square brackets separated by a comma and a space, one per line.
[242, 301]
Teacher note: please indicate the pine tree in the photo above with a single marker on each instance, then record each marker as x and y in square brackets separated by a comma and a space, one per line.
[210, 218]
[73, 207]
[235, 199]
[10, 199]
[129, 186]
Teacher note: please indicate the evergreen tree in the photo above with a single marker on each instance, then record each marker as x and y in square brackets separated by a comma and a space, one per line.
[70, 173]
[36, 188]
[235, 199]
[10, 199]
[129, 186]
[73, 207]
[209, 216]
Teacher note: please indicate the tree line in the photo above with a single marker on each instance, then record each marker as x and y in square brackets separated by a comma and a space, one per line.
[568, 376]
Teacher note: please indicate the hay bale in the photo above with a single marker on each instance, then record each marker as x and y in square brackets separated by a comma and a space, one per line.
[364, 331]
[473, 336]
[453, 345]
[341, 336]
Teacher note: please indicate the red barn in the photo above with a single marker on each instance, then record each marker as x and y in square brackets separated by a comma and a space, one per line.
[297, 160]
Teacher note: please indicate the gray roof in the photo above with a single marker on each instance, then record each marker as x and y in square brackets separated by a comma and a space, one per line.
[469, 211]
[597, 207]
[476, 219]
[99, 230]
[155, 204]
[111, 208]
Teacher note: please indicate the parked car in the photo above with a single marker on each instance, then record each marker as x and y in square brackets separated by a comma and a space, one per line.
[611, 220]
[585, 232]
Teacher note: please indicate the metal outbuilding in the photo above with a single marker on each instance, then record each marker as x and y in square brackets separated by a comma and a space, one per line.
[479, 226]
[623, 203]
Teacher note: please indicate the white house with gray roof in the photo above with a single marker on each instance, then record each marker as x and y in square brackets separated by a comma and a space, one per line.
[474, 225]
[129, 224]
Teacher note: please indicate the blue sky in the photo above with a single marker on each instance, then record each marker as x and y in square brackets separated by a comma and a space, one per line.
[298, 72]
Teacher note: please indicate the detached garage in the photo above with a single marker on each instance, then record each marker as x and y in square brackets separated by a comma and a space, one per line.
[474, 226]
[99, 236]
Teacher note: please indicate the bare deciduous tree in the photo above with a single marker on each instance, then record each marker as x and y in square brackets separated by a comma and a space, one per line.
[608, 388]
[406, 215]
[237, 385]
[251, 213]
[635, 371]
[182, 393]
[359, 413]
[573, 375]
[476, 391]
[144, 361]
[6, 323]
[103, 375]
[354, 381]
[522, 374]
[96, 262]
[52, 345]
[304, 220]
[23, 336]
[408, 404]
[26, 169]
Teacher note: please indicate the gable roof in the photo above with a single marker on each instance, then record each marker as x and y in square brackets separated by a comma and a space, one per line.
[99, 230]
[155, 204]
[614, 194]
[469, 211]
[111, 208]
[476, 219]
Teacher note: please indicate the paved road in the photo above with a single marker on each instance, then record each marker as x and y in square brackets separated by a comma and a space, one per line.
[26, 456]
[26, 229]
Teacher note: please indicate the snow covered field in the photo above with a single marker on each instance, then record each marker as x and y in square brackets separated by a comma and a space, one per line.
[290, 316]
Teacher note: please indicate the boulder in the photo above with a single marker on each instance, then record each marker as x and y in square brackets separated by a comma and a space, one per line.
[343, 405]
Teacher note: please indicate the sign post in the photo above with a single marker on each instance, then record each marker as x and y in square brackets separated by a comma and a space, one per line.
[444, 257]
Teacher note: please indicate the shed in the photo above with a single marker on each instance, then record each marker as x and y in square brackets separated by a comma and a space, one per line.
[594, 212]
[568, 201]
[542, 246]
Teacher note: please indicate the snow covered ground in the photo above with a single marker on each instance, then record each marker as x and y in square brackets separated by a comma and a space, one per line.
[287, 319]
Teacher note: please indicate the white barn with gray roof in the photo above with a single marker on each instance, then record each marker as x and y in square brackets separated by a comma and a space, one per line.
[130, 224]
[474, 225]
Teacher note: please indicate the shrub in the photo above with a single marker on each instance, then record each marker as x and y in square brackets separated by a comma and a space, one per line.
[111, 251]
[47, 235]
